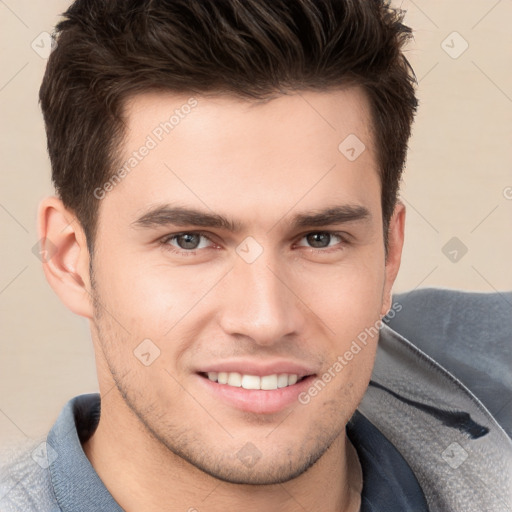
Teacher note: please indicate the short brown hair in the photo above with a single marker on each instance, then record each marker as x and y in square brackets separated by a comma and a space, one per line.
[110, 50]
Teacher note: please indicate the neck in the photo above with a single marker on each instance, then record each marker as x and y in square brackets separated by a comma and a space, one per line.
[142, 474]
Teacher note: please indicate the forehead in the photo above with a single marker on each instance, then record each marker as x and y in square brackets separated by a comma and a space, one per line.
[226, 154]
[212, 119]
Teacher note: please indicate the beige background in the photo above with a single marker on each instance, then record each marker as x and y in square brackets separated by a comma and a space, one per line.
[458, 184]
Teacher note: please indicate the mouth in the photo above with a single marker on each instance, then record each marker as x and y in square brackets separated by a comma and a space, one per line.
[258, 394]
[246, 381]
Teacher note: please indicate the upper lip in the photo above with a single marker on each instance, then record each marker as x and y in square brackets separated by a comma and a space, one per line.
[246, 367]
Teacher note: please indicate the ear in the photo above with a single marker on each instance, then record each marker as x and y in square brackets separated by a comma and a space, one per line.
[395, 245]
[65, 257]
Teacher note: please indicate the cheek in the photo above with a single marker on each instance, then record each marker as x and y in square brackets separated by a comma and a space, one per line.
[347, 297]
[157, 303]
[348, 301]
[149, 299]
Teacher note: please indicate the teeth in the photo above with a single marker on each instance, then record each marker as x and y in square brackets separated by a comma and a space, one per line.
[251, 382]
[235, 379]
[282, 380]
[268, 382]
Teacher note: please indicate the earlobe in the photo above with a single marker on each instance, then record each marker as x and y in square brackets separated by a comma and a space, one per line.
[65, 256]
[395, 246]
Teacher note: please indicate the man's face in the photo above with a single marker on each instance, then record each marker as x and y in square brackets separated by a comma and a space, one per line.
[277, 292]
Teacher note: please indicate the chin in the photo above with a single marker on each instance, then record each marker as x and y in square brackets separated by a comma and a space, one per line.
[262, 473]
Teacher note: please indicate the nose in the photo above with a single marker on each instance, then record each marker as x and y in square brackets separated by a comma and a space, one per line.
[258, 302]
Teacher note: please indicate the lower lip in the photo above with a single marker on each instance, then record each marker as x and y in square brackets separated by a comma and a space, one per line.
[257, 400]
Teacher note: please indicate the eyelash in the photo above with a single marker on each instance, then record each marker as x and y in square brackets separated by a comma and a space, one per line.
[192, 252]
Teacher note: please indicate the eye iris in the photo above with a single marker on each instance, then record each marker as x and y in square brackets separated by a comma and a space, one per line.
[319, 239]
[188, 240]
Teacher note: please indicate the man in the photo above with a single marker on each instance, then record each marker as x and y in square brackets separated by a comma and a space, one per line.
[227, 219]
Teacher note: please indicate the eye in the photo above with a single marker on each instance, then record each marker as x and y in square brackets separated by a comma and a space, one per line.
[187, 242]
[321, 240]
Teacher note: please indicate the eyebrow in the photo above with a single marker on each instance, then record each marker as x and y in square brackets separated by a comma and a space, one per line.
[179, 216]
[334, 215]
[164, 215]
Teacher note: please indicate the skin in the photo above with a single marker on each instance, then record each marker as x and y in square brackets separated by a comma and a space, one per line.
[164, 442]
